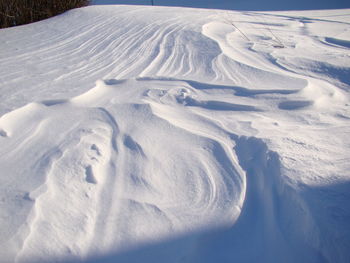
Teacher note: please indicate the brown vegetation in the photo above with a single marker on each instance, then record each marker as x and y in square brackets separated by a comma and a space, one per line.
[19, 12]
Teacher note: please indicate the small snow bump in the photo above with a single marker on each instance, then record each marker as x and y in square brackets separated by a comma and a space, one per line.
[100, 83]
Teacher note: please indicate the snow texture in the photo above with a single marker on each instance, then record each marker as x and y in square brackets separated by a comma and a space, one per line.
[167, 134]
[251, 5]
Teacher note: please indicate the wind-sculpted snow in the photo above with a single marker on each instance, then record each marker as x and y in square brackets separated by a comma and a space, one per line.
[134, 134]
[118, 184]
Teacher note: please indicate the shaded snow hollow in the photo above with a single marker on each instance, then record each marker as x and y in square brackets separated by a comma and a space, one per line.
[157, 134]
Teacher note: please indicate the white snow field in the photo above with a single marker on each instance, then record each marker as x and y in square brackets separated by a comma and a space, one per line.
[164, 134]
[256, 5]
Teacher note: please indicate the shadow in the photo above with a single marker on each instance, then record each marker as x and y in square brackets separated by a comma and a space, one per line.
[49, 103]
[339, 73]
[294, 104]
[114, 81]
[132, 145]
[259, 233]
[338, 42]
[219, 105]
[329, 206]
[3, 133]
[240, 91]
[180, 249]
[283, 222]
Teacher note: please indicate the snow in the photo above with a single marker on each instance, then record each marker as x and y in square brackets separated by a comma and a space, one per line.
[251, 5]
[169, 134]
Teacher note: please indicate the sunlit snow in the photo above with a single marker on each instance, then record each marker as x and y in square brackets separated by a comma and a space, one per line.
[169, 134]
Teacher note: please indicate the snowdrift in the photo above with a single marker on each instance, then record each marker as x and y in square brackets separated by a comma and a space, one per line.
[161, 134]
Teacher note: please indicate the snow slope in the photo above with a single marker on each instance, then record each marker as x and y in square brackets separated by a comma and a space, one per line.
[252, 5]
[136, 133]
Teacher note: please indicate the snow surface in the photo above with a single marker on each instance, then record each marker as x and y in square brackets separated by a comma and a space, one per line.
[159, 134]
[251, 5]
